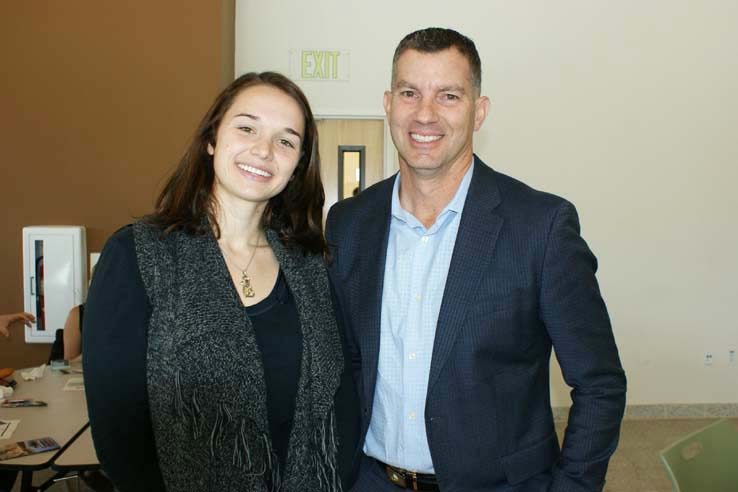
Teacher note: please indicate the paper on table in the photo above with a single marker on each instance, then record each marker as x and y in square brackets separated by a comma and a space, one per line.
[75, 384]
[7, 427]
[35, 373]
[5, 392]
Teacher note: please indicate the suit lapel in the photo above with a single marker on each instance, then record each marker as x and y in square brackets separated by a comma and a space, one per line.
[374, 237]
[472, 254]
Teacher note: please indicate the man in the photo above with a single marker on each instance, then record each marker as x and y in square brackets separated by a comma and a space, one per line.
[453, 282]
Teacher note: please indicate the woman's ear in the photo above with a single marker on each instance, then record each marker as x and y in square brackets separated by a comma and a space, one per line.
[211, 150]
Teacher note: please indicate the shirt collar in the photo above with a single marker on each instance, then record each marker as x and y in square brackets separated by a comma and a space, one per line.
[456, 204]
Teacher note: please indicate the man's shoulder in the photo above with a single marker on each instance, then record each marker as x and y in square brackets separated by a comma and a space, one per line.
[517, 195]
[372, 199]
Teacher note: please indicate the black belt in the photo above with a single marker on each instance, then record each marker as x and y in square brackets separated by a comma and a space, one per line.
[409, 479]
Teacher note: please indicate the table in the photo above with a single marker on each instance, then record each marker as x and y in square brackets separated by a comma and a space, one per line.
[64, 419]
[80, 455]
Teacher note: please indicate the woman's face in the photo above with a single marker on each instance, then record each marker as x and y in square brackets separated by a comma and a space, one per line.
[258, 145]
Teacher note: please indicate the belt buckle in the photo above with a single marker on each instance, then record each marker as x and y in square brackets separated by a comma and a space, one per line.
[400, 477]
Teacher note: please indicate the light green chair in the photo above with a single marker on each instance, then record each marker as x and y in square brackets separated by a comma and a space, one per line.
[706, 460]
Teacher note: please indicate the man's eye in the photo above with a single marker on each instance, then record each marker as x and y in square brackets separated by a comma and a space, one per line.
[451, 97]
[407, 93]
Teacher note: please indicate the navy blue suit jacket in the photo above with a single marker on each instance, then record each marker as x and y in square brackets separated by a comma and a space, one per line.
[521, 280]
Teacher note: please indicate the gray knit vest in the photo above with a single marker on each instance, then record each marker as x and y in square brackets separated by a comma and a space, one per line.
[205, 377]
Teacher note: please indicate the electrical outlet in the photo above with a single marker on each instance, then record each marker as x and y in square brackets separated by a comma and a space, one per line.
[708, 359]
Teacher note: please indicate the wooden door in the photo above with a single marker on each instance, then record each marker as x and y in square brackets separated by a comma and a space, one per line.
[342, 138]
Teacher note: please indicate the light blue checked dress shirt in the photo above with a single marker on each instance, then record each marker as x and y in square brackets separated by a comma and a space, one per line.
[414, 279]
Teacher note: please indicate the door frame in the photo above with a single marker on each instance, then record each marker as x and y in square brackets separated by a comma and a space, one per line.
[361, 149]
[389, 164]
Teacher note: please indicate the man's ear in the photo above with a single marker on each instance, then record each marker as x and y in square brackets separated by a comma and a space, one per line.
[481, 109]
[387, 102]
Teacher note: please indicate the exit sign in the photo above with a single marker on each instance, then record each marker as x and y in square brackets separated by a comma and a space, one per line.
[319, 65]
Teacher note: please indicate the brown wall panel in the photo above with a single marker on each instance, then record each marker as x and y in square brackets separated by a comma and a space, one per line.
[97, 102]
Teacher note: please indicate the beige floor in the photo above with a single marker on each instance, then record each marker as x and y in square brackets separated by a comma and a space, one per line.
[635, 467]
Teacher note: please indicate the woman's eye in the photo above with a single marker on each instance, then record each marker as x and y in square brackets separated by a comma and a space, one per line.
[287, 143]
[246, 129]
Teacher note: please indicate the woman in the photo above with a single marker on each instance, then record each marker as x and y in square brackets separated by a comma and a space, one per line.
[212, 357]
[72, 333]
[6, 320]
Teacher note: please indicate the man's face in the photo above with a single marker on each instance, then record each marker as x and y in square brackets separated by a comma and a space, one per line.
[433, 110]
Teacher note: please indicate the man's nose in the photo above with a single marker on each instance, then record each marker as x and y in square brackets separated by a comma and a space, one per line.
[426, 111]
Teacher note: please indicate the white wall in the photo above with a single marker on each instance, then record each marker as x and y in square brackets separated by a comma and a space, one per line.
[629, 109]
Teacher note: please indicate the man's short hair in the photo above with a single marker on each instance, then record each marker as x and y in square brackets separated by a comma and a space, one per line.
[435, 39]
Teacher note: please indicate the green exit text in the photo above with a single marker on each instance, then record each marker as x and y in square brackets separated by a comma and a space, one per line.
[321, 65]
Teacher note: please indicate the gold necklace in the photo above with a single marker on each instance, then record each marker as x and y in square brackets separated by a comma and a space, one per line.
[246, 288]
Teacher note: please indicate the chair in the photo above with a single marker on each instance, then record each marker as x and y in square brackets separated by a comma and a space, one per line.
[57, 348]
[704, 461]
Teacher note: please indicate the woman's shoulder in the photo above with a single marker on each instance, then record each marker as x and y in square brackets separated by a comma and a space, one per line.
[132, 238]
[117, 261]
[121, 242]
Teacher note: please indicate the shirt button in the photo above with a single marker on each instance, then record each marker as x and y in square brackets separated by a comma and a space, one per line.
[418, 297]
[411, 415]
[412, 356]
[424, 239]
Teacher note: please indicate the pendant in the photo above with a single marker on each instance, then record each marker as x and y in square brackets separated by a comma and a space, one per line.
[246, 288]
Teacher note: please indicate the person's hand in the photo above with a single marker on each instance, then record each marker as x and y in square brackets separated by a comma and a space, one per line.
[7, 319]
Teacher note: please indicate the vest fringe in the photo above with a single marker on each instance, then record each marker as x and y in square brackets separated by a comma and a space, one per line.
[216, 432]
[324, 443]
[272, 461]
[324, 460]
[197, 420]
[180, 408]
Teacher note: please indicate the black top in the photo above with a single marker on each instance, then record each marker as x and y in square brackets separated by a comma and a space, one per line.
[81, 319]
[115, 328]
[277, 328]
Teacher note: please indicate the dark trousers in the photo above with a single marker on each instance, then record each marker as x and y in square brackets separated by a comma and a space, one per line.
[372, 478]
